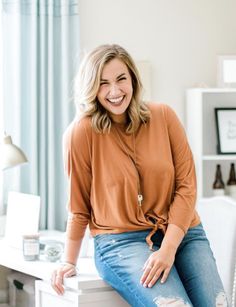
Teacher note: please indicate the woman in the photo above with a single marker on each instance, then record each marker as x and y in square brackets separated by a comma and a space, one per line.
[132, 179]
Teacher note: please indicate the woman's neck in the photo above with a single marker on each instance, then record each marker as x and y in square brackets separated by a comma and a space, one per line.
[119, 119]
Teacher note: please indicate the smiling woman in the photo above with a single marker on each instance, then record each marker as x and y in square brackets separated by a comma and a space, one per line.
[132, 179]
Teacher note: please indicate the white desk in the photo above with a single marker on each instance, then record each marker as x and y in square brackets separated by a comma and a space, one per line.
[85, 290]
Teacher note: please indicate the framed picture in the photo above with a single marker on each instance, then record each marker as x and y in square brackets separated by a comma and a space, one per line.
[226, 71]
[226, 130]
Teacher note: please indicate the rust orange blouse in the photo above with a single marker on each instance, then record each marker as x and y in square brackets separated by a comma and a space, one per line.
[103, 179]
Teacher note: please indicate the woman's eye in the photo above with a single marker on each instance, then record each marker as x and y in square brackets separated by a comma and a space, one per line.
[102, 83]
[123, 78]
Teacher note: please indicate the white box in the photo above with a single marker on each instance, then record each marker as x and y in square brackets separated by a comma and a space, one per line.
[90, 294]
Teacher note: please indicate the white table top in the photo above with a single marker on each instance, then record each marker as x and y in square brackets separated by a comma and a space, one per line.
[87, 278]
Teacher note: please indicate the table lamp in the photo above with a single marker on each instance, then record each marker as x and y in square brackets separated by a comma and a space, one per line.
[11, 154]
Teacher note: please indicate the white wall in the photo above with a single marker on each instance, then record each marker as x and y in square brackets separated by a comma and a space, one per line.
[180, 38]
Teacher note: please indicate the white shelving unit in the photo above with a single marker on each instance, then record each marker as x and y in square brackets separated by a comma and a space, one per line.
[201, 131]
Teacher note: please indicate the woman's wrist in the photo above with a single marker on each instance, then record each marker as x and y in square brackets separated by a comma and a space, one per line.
[68, 263]
[169, 247]
[70, 266]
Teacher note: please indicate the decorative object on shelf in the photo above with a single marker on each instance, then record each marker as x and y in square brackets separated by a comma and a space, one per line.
[231, 183]
[218, 184]
[53, 251]
[226, 130]
[202, 136]
[31, 247]
[226, 71]
[11, 154]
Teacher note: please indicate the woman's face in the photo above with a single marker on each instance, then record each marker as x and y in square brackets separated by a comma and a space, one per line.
[115, 91]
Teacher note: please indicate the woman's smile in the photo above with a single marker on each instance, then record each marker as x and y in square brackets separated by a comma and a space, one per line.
[116, 101]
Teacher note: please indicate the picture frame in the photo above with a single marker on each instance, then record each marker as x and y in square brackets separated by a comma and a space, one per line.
[226, 71]
[226, 130]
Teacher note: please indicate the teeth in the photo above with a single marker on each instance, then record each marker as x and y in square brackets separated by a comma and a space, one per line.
[116, 100]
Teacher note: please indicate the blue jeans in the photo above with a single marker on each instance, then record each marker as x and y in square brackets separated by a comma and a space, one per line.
[192, 281]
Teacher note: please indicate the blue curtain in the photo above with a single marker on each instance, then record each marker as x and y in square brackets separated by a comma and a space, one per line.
[40, 59]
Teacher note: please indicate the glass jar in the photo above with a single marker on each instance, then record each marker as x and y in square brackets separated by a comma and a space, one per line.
[31, 247]
[53, 251]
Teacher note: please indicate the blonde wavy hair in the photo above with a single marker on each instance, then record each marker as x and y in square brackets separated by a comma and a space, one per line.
[87, 85]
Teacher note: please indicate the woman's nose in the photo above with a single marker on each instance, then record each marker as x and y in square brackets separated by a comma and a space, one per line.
[114, 89]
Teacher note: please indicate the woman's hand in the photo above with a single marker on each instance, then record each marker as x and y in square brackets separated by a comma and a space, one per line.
[66, 270]
[158, 265]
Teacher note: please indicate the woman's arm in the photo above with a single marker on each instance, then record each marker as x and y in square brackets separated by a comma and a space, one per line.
[72, 249]
[77, 162]
[173, 237]
[182, 208]
[68, 268]
[160, 262]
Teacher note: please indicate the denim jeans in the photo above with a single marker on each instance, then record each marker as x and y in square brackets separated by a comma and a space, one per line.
[192, 281]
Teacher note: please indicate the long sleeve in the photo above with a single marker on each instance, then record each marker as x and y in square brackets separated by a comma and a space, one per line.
[182, 208]
[77, 162]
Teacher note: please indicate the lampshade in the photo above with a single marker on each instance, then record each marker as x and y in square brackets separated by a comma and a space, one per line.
[11, 154]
